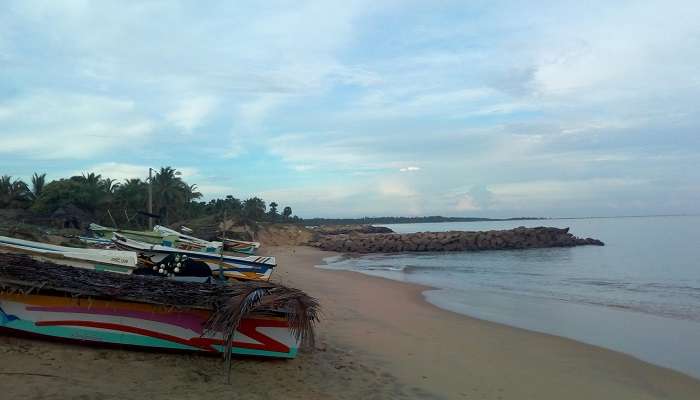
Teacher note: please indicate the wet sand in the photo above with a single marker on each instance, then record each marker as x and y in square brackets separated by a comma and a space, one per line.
[378, 339]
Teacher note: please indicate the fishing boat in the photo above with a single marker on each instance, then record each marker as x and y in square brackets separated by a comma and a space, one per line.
[161, 236]
[240, 246]
[186, 242]
[233, 267]
[120, 261]
[249, 318]
[95, 240]
[142, 236]
[101, 260]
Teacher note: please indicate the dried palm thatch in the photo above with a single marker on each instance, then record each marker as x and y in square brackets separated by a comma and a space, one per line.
[228, 303]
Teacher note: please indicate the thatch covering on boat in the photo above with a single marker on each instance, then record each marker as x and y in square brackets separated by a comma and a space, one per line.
[229, 303]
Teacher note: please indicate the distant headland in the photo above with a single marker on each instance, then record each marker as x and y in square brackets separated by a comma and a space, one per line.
[405, 220]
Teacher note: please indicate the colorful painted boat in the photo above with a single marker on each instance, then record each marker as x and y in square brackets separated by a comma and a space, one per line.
[111, 260]
[139, 324]
[59, 301]
[233, 267]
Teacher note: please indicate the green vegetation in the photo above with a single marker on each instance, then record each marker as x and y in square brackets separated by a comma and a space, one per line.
[125, 203]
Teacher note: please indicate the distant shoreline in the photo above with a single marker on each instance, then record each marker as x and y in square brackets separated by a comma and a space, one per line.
[440, 219]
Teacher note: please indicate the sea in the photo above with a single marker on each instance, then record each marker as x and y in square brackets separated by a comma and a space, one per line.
[639, 294]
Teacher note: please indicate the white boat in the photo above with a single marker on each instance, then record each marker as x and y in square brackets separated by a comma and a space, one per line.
[109, 260]
[187, 242]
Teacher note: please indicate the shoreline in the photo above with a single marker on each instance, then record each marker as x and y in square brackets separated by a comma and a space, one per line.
[378, 339]
[500, 359]
[534, 315]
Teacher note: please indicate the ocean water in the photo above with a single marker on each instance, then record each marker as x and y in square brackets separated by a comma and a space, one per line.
[638, 294]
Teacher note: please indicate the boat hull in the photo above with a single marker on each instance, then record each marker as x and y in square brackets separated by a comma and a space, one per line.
[134, 324]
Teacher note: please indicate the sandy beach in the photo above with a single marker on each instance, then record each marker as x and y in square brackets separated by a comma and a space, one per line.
[378, 339]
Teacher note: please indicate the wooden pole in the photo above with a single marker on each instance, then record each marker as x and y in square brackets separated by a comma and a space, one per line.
[150, 199]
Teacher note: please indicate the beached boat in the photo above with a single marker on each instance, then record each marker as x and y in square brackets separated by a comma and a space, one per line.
[187, 242]
[241, 268]
[103, 260]
[95, 241]
[240, 246]
[142, 236]
[250, 318]
[161, 236]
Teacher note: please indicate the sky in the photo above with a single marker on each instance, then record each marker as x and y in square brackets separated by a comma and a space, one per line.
[365, 108]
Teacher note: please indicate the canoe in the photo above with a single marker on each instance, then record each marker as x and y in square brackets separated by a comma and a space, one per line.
[241, 268]
[111, 260]
[105, 308]
[141, 236]
[186, 242]
[139, 324]
[160, 236]
[95, 241]
[240, 246]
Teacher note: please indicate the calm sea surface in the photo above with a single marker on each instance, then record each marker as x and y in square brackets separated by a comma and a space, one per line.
[639, 294]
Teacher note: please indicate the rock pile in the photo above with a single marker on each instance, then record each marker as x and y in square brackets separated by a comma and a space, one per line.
[349, 229]
[518, 238]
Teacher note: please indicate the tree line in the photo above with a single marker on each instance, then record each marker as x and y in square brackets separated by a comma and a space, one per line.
[125, 203]
[404, 220]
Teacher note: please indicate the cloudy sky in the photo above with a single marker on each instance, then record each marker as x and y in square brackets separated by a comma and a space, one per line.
[352, 108]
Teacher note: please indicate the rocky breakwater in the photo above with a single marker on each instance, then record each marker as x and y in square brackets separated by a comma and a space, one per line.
[518, 238]
[349, 229]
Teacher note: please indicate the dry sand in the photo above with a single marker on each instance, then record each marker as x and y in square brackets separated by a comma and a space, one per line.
[378, 340]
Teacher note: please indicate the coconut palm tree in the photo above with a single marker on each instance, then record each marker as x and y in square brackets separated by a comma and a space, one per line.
[108, 184]
[169, 192]
[191, 192]
[14, 193]
[272, 213]
[38, 183]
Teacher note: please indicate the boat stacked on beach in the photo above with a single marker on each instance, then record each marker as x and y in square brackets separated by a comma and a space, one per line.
[146, 293]
[170, 253]
[78, 304]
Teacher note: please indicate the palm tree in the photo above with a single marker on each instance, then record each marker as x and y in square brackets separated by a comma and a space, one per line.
[192, 193]
[91, 179]
[129, 197]
[14, 194]
[273, 212]
[108, 184]
[94, 190]
[38, 183]
[169, 192]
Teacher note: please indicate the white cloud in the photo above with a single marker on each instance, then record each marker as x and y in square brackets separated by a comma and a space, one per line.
[251, 113]
[50, 125]
[118, 171]
[409, 169]
[391, 187]
[466, 203]
[191, 112]
[520, 195]
[303, 167]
